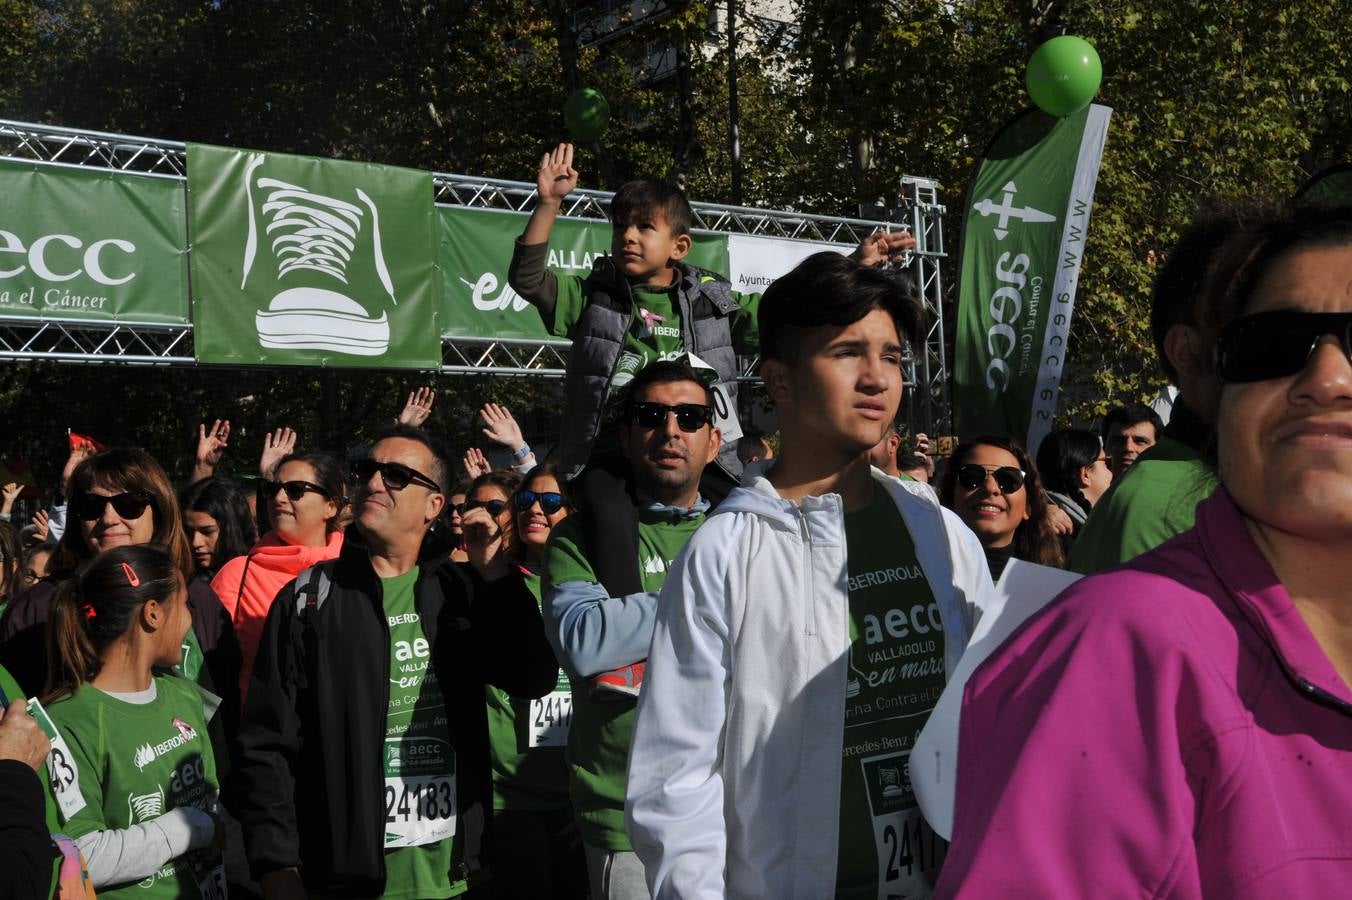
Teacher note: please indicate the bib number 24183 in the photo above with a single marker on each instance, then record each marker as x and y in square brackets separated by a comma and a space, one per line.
[419, 792]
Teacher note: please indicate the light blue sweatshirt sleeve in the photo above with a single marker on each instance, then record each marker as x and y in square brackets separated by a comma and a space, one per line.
[592, 632]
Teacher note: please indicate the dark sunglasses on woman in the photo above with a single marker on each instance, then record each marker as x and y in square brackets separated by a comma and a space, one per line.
[550, 501]
[295, 489]
[1276, 344]
[128, 505]
[493, 506]
[396, 476]
[1007, 478]
[690, 417]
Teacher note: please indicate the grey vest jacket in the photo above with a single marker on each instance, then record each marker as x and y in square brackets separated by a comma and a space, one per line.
[705, 304]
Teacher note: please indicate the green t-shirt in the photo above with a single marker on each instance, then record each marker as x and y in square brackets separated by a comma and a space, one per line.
[419, 761]
[132, 763]
[14, 694]
[598, 741]
[190, 667]
[896, 676]
[527, 738]
[1153, 501]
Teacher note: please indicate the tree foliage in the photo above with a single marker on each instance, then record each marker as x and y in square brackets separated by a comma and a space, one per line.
[1228, 99]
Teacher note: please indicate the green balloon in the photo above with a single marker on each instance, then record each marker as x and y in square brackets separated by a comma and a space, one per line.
[1064, 75]
[586, 113]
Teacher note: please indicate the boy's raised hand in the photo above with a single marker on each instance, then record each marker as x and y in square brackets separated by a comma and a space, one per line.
[883, 247]
[557, 178]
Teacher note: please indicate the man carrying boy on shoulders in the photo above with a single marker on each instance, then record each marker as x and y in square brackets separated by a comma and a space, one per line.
[806, 632]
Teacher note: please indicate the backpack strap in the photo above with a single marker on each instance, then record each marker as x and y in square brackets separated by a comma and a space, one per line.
[312, 589]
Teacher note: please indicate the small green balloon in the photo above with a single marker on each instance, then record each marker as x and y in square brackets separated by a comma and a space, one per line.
[1064, 75]
[586, 113]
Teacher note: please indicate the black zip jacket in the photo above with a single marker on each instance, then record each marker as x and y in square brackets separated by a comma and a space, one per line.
[308, 782]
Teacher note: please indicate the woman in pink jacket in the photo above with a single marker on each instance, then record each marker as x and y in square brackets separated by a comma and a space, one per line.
[1182, 727]
[306, 499]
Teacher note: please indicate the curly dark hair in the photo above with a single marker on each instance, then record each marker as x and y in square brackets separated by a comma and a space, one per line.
[1034, 539]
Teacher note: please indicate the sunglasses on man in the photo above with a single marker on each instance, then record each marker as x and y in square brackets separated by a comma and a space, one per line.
[1007, 478]
[690, 417]
[396, 476]
[295, 489]
[1276, 344]
[127, 505]
[550, 501]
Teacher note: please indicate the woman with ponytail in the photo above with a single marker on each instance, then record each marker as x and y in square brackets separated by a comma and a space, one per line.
[121, 497]
[134, 772]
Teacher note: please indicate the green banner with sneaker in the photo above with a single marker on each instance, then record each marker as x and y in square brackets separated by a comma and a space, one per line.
[1024, 231]
[304, 261]
[92, 245]
[475, 249]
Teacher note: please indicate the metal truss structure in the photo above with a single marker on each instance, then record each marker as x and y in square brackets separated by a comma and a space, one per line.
[146, 343]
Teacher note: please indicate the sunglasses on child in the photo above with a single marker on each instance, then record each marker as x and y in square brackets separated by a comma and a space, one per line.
[396, 476]
[128, 505]
[689, 416]
[1007, 478]
[294, 489]
[493, 506]
[550, 502]
[1276, 344]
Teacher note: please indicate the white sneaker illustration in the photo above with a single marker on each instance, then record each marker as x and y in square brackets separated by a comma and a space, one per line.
[310, 232]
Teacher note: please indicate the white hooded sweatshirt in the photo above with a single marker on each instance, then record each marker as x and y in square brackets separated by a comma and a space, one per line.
[735, 767]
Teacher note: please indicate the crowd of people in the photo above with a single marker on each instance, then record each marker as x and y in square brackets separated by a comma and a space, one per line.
[657, 664]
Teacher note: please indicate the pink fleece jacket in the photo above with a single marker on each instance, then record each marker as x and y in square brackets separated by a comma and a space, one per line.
[270, 566]
[1169, 729]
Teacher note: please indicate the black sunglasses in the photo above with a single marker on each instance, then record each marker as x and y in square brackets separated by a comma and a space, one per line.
[129, 505]
[493, 506]
[1276, 344]
[1007, 478]
[294, 489]
[396, 476]
[550, 501]
[689, 416]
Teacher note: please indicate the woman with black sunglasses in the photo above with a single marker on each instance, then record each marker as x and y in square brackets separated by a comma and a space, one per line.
[1181, 726]
[535, 849]
[121, 497]
[306, 495]
[993, 486]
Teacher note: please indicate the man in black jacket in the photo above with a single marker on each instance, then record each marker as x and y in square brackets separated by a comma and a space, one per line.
[363, 763]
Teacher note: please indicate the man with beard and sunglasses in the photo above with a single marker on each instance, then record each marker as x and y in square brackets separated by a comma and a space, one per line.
[668, 438]
[363, 766]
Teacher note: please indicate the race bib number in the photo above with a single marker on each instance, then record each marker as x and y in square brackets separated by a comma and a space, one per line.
[550, 718]
[62, 772]
[909, 853]
[419, 791]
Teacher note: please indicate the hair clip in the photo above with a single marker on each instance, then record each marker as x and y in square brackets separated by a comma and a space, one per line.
[89, 610]
[132, 578]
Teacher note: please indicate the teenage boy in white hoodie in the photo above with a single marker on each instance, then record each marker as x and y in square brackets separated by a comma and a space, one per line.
[806, 631]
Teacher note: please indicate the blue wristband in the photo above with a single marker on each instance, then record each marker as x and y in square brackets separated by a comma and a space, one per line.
[522, 453]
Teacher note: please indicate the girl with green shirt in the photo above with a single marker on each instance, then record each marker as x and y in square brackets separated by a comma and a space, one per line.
[134, 775]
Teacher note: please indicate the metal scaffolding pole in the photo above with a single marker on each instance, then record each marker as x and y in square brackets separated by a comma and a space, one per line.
[158, 344]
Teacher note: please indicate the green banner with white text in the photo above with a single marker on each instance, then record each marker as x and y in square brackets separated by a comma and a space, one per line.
[1024, 232]
[304, 261]
[91, 245]
[475, 249]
